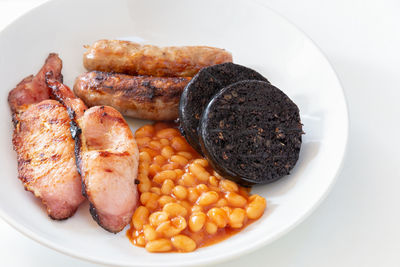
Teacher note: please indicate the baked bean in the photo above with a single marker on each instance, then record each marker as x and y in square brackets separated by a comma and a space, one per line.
[144, 183]
[181, 160]
[202, 188]
[179, 144]
[193, 194]
[159, 245]
[212, 180]
[186, 205]
[254, 197]
[167, 152]
[236, 218]
[155, 190]
[151, 152]
[149, 200]
[143, 141]
[152, 204]
[208, 198]
[179, 192]
[228, 186]
[244, 191]
[179, 222]
[221, 202]
[158, 217]
[216, 174]
[170, 166]
[218, 216]
[167, 186]
[185, 154]
[214, 188]
[197, 221]
[154, 169]
[149, 232]
[256, 207]
[164, 141]
[211, 228]
[140, 217]
[163, 200]
[144, 168]
[159, 160]
[199, 171]
[172, 227]
[144, 157]
[227, 210]
[145, 197]
[174, 209]
[179, 173]
[196, 208]
[187, 180]
[155, 145]
[183, 243]
[235, 200]
[202, 162]
[168, 133]
[145, 131]
[140, 240]
[166, 229]
[160, 177]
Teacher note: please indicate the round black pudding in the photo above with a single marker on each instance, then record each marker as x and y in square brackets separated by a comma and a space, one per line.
[251, 133]
[199, 91]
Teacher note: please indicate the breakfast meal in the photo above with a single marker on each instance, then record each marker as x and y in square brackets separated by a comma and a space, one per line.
[142, 97]
[44, 146]
[136, 59]
[181, 182]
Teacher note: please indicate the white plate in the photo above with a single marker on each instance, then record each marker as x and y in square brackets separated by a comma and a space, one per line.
[256, 36]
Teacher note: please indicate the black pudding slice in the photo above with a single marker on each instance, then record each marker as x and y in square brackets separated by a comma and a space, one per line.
[199, 91]
[251, 133]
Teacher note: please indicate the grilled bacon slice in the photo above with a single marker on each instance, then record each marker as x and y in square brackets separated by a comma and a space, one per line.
[107, 158]
[142, 97]
[42, 140]
[33, 89]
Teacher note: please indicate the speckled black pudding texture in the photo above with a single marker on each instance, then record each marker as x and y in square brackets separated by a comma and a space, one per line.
[251, 133]
[199, 91]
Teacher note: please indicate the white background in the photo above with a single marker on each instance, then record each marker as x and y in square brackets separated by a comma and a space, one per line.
[359, 222]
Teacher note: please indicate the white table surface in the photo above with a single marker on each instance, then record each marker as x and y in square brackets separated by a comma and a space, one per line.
[359, 222]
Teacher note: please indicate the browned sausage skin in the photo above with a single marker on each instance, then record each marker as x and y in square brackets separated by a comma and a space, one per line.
[152, 98]
[136, 59]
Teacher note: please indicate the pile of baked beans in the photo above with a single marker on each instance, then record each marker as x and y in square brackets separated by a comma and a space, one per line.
[184, 203]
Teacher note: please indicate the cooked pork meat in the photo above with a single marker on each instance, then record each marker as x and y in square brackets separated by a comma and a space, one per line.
[136, 59]
[107, 158]
[42, 140]
[33, 89]
[142, 97]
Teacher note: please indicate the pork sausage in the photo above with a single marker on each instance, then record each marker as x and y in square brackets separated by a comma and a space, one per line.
[151, 98]
[136, 59]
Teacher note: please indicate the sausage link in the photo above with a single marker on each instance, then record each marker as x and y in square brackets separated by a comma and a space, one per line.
[136, 59]
[151, 98]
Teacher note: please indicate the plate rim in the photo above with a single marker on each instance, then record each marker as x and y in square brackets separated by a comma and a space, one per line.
[228, 256]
